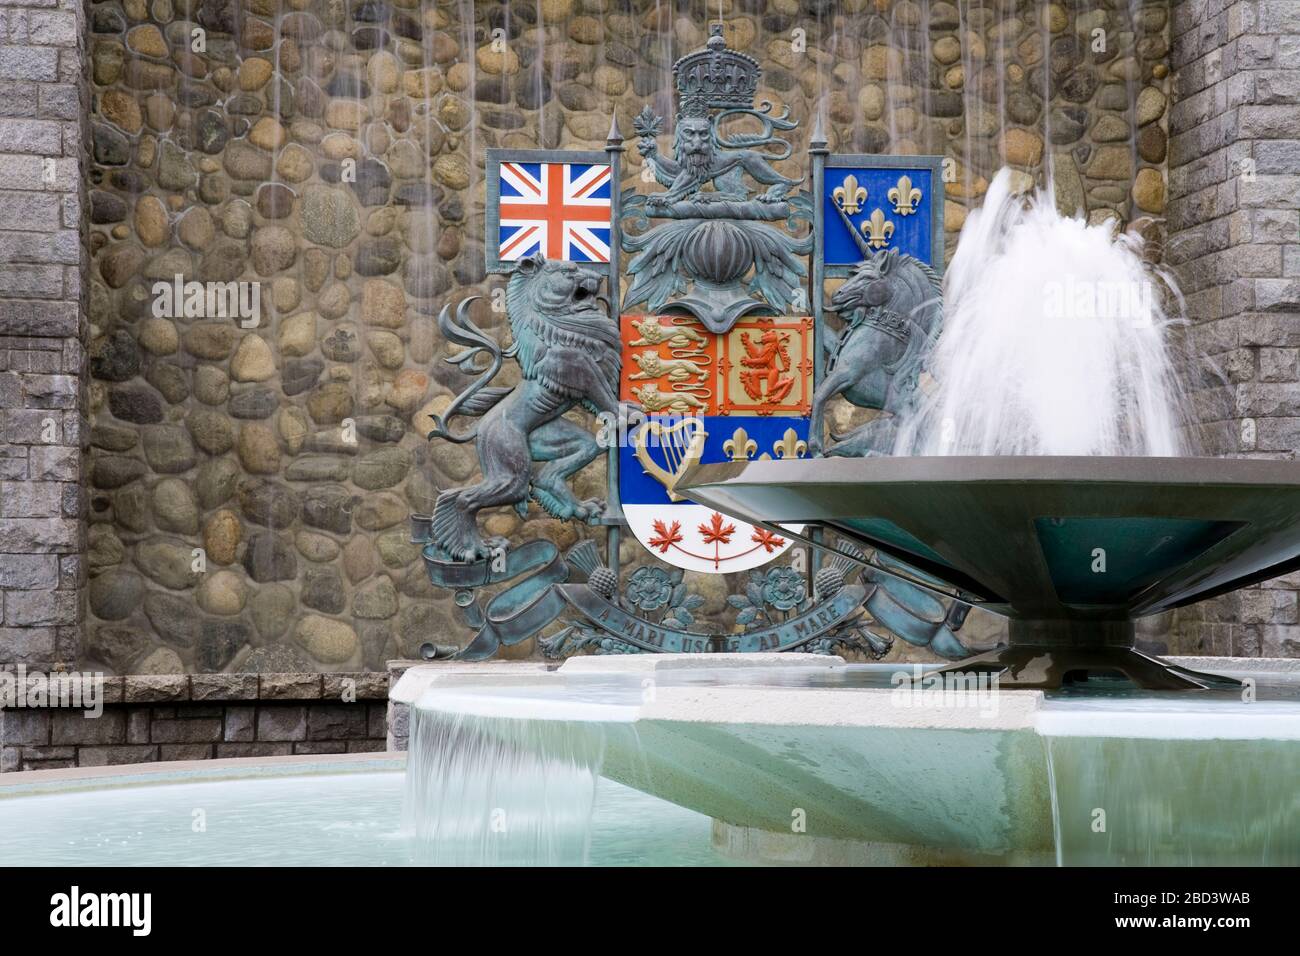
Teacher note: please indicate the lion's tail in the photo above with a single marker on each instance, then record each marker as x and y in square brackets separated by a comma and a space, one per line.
[479, 397]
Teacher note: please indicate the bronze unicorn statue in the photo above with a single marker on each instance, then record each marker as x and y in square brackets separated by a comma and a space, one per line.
[892, 310]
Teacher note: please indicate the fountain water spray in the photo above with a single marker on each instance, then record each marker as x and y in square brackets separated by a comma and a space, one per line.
[1054, 342]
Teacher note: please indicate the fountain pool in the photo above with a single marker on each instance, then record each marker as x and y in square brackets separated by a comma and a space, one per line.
[797, 759]
[294, 811]
[802, 758]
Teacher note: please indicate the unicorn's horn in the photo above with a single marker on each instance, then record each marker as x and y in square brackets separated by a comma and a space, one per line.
[861, 243]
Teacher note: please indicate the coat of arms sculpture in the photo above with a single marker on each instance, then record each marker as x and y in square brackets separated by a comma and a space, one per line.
[724, 348]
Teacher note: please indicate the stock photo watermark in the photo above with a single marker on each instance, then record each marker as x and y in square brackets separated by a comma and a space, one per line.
[916, 689]
[1078, 300]
[179, 299]
[75, 909]
[22, 689]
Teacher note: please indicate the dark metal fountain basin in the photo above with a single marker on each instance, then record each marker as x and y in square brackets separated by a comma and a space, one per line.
[1071, 550]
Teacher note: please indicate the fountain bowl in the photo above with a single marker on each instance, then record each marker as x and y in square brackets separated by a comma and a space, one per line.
[1072, 550]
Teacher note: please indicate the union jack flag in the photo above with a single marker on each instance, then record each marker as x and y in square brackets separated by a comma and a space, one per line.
[559, 209]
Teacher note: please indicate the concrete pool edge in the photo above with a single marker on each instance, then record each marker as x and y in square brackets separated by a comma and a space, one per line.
[65, 780]
[1016, 709]
[419, 677]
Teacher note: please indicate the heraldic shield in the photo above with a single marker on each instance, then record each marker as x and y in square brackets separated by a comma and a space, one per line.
[708, 397]
[715, 307]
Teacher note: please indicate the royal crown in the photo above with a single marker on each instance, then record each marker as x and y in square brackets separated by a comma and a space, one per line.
[715, 78]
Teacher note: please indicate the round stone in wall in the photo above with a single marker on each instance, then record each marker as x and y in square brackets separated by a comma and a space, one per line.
[115, 595]
[222, 592]
[272, 609]
[329, 216]
[327, 640]
[268, 557]
[168, 561]
[174, 507]
[221, 536]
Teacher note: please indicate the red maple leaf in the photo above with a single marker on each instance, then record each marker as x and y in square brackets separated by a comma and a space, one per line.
[664, 538]
[770, 540]
[715, 532]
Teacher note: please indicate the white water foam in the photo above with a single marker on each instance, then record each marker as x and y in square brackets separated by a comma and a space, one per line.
[1171, 718]
[1054, 342]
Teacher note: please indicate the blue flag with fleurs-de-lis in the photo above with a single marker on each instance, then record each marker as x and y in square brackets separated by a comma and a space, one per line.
[877, 203]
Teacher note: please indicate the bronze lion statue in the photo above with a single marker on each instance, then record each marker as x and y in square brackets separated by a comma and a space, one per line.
[569, 355]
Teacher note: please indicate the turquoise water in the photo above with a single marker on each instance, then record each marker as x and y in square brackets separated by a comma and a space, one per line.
[337, 819]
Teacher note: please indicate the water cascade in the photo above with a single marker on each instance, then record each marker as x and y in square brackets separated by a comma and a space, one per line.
[508, 782]
[1157, 763]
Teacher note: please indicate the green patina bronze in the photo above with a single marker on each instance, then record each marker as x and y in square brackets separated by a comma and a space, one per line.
[1071, 550]
[728, 237]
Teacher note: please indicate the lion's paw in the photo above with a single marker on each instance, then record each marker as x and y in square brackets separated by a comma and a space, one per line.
[481, 550]
[589, 511]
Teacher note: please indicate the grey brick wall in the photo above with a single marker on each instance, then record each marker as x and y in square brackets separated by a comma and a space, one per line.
[1234, 240]
[43, 168]
[201, 717]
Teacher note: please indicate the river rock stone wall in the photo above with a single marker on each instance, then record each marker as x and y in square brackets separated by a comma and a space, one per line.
[249, 486]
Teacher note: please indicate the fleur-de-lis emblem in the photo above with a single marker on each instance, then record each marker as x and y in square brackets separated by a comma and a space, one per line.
[849, 196]
[740, 446]
[904, 196]
[878, 230]
[790, 445]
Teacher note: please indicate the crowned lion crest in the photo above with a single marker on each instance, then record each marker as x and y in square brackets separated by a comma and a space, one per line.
[721, 228]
